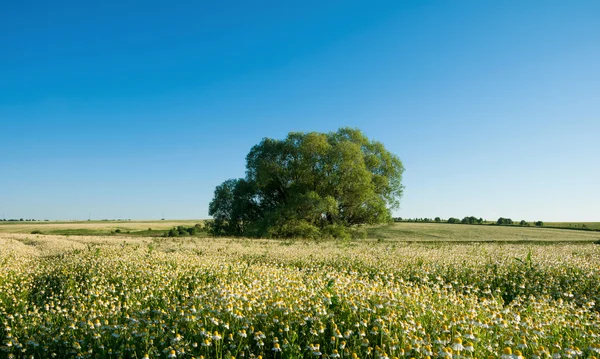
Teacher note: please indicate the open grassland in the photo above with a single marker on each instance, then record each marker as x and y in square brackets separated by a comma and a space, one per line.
[575, 225]
[115, 297]
[404, 231]
[94, 227]
[444, 232]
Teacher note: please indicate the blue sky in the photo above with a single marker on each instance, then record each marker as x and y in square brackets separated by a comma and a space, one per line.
[132, 110]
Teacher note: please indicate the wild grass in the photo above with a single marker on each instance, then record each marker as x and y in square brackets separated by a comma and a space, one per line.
[137, 297]
[403, 232]
[95, 228]
[575, 225]
[444, 232]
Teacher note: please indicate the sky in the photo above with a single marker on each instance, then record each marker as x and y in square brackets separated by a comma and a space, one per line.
[123, 109]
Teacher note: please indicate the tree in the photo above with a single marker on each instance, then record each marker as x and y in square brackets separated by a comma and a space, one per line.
[470, 220]
[539, 223]
[504, 221]
[438, 219]
[307, 184]
[453, 220]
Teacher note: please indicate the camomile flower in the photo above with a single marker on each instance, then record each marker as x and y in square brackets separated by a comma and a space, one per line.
[522, 343]
[446, 353]
[457, 345]
[506, 353]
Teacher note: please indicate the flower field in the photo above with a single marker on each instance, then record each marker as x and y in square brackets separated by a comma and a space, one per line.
[103, 297]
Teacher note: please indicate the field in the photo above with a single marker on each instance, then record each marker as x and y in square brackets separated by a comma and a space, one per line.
[578, 225]
[433, 232]
[406, 231]
[408, 291]
[94, 227]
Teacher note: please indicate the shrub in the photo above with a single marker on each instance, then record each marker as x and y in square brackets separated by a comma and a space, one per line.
[471, 220]
[295, 229]
[337, 231]
[183, 231]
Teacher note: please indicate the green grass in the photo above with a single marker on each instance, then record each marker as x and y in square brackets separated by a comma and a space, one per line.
[400, 232]
[443, 232]
[574, 225]
[123, 233]
[96, 228]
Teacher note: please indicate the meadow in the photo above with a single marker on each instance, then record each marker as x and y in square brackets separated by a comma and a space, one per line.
[91, 227]
[407, 291]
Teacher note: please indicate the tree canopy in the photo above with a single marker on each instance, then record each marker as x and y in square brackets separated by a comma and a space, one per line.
[309, 185]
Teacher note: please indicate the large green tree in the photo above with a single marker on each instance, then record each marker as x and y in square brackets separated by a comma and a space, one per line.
[310, 185]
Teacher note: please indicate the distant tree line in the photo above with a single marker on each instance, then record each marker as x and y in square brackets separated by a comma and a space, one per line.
[469, 220]
[426, 220]
[466, 220]
[20, 220]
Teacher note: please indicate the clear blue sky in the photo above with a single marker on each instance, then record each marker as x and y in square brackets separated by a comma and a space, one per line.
[130, 110]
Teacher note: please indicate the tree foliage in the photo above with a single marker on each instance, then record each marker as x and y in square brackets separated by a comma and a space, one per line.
[471, 220]
[504, 221]
[309, 185]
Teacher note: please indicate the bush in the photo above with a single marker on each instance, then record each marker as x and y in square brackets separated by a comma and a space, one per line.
[453, 220]
[337, 231]
[504, 221]
[358, 233]
[539, 223]
[438, 219]
[184, 231]
[36, 232]
[295, 229]
[117, 230]
[471, 220]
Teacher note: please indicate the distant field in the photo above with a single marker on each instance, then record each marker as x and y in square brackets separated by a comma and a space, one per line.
[436, 232]
[148, 228]
[401, 232]
[589, 225]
